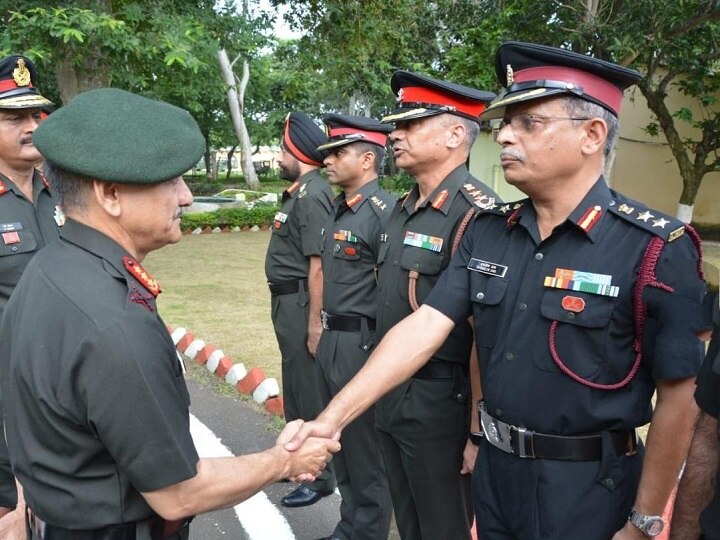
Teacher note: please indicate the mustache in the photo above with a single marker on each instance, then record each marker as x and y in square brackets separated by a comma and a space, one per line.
[512, 153]
[26, 140]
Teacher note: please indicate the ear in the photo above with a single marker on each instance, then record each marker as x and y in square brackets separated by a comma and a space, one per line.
[368, 161]
[456, 135]
[595, 131]
[107, 196]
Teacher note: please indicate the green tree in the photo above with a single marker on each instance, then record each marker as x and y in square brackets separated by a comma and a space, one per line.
[672, 44]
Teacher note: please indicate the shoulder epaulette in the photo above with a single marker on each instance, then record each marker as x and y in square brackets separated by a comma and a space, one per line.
[379, 204]
[666, 227]
[477, 196]
[504, 209]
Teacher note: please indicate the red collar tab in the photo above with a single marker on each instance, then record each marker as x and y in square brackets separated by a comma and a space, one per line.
[591, 85]
[3, 187]
[44, 180]
[294, 150]
[590, 218]
[513, 219]
[352, 201]
[440, 199]
[139, 273]
[365, 136]
[294, 186]
[410, 95]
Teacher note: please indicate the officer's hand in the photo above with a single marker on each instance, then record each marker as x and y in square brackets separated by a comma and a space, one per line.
[629, 532]
[311, 458]
[288, 432]
[12, 524]
[469, 456]
[315, 428]
[314, 331]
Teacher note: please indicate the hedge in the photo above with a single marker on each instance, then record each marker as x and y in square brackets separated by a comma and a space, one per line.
[229, 217]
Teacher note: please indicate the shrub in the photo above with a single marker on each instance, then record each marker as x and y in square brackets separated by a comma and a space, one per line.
[229, 217]
[398, 183]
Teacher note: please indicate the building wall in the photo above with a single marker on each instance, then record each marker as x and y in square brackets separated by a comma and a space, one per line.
[644, 167]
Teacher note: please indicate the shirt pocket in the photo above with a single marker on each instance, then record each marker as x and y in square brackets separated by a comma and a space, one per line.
[487, 294]
[25, 244]
[427, 263]
[347, 263]
[581, 334]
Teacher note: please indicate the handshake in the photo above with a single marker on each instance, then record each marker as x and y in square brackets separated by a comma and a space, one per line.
[307, 447]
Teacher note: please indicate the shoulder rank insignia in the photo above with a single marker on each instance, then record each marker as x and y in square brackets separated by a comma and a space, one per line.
[666, 227]
[377, 201]
[478, 198]
[139, 273]
[590, 218]
[440, 199]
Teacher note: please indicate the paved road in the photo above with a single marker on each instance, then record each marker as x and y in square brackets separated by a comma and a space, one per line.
[244, 430]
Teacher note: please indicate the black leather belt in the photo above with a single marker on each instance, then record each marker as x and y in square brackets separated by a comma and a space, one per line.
[439, 370]
[286, 287]
[526, 443]
[159, 529]
[343, 323]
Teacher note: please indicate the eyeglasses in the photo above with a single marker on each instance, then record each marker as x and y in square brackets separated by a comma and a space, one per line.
[527, 123]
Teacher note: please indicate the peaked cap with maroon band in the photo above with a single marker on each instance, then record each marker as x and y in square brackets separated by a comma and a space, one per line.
[302, 136]
[530, 71]
[344, 129]
[419, 96]
[18, 84]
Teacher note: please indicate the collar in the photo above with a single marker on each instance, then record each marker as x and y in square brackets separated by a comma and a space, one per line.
[39, 182]
[591, 210]
[359, 197]
[299, 185]
[442, 197]
[116, 260]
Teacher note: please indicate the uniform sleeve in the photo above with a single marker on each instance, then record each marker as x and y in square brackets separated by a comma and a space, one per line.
[8, 489]
[451, 294]
[707, 394]
[672, 317]
[136, 402]
[312, 215]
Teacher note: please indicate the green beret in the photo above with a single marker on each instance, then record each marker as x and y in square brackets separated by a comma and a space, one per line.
[115, 136]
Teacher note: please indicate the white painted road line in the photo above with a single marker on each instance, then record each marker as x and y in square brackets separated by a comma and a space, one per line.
[260, 519]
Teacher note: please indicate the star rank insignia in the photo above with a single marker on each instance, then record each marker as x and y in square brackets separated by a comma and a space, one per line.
[645, 216]
[660, 222]
[505, 208]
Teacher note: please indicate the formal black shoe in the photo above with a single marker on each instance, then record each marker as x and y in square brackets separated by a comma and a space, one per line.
[303, 496]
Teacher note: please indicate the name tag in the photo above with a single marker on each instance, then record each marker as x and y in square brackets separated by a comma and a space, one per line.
[487, 267]
[282, 218]
[9, 227]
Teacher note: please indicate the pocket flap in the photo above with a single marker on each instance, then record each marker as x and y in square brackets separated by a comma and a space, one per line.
[573, 307]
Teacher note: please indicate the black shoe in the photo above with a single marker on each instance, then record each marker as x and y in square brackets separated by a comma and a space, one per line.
[303, 496]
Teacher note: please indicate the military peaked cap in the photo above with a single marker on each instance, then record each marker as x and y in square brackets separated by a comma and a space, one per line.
[302, 137]
[115, 136]
[344, 129]
[18, 84]
[420, 96]
[531, 71]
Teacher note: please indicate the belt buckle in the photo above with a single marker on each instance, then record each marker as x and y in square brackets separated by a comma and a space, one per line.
[324, 320]
[497, 433]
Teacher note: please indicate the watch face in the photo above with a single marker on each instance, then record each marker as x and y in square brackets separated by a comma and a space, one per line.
[654, 527]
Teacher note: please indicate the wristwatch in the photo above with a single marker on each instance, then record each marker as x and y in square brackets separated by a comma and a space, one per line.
[648, 525]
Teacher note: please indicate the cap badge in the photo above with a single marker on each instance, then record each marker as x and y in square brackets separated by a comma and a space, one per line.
[509, 75]
[400, 94]
[21, 74]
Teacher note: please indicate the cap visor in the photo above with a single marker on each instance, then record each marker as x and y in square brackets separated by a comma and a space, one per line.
[400, 115]
[497, 108]
[336, 143]
[26, 101]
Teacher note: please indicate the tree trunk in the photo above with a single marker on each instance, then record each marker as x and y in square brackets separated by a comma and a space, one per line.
[235, 103]
[230, 155]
